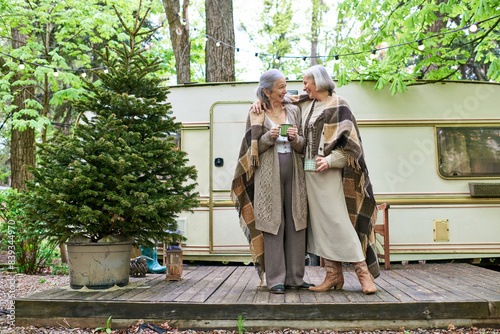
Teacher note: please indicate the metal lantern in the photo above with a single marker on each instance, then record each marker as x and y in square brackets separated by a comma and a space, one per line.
[173, 262]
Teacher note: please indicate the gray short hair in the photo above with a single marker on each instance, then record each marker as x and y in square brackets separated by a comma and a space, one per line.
[321, 78]
[267, 80]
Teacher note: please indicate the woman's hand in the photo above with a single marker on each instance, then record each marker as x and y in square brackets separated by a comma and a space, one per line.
[321, 164]
[258, 107]
[275, 131]
[292, 133]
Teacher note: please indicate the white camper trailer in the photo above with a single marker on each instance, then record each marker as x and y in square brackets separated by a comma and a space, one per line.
[433, 154]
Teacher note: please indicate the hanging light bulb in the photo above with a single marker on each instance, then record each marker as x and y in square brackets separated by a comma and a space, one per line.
[336, 60]
[304, 58]
[473, 28]
[256, 54]
[84, 74]
[421, 45]
[373, 55]
[217, 44]
[106, 71]
[237, 49]
[277, 60]
[21, 65]
[56, 74]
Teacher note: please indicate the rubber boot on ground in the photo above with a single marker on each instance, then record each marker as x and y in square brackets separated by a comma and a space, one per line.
[154, 266]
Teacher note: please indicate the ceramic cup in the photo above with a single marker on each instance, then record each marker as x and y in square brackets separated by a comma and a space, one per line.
[310, 165]
[283, 129]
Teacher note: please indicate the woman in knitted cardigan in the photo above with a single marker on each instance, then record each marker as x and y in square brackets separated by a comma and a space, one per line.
[342, 207]
[270, 175]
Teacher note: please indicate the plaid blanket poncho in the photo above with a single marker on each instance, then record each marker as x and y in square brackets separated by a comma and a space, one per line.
[341, 130]
[242, 189]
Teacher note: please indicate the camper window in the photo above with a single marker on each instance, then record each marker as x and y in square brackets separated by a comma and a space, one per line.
[468, 151]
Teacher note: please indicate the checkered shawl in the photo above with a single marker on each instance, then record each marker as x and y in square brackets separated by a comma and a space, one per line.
[242, 188]
[341, 130]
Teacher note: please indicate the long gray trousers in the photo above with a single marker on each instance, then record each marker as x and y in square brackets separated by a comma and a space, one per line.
[284, 253]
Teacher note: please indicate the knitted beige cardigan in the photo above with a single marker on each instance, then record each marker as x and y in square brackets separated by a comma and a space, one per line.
[258, 155]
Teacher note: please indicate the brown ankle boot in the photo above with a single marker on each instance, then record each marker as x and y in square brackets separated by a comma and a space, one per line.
[364, 277]
[334, 277]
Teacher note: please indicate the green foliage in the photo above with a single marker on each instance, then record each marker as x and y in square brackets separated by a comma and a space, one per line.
[120, 174]
[241, 320]
[32, 253]
[59, 269]
[60, 34]
[108, 327]
[278, 30]
[460, 55]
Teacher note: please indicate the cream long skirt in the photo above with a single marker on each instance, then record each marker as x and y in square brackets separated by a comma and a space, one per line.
[330, 233]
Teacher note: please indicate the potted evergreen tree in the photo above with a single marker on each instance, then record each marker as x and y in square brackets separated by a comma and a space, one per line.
[119, 178]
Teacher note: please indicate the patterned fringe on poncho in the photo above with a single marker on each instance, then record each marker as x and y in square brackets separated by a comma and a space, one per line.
[242, 189]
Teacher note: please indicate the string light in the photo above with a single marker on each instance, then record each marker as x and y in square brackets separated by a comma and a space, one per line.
[84, 74]
[304, 58]
[421, 45]
[474, 27]
[106, 71]
[56, 73]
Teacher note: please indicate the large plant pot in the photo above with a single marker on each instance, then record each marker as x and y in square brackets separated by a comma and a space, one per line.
[98, 265]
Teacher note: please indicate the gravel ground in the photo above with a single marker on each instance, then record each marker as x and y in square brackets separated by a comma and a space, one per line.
[28, 284]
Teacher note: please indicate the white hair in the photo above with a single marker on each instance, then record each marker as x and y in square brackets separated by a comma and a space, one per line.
[321, 78]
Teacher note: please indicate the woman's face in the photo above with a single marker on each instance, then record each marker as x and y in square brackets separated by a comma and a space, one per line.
[309, 87]
[278, 92]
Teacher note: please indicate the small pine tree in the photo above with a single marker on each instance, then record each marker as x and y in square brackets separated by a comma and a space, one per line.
[120, 173]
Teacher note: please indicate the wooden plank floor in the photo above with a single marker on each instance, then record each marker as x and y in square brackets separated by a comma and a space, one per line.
[212, 297]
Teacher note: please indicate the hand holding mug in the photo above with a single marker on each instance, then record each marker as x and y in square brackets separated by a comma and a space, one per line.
[275, 131]
[292, 133]
[321, 164]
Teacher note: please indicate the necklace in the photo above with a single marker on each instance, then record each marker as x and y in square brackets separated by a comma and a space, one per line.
[279, 112]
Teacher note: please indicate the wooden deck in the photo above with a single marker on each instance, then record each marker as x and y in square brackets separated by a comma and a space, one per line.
[211, 297]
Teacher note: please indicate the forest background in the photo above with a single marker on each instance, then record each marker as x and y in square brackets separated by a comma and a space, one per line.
[47, 47]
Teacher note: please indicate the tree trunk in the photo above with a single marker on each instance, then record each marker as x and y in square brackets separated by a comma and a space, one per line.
[179, 35]
[315, 31]
[22, 142]
[219, 60]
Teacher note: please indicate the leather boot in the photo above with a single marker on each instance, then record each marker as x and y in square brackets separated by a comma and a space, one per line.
[334, 277]
[364, 277]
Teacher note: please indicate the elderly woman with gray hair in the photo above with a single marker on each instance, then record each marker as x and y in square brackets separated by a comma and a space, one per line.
[269, 187]
[342, 208]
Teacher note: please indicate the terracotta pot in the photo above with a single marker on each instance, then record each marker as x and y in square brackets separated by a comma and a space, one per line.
[99, 265]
